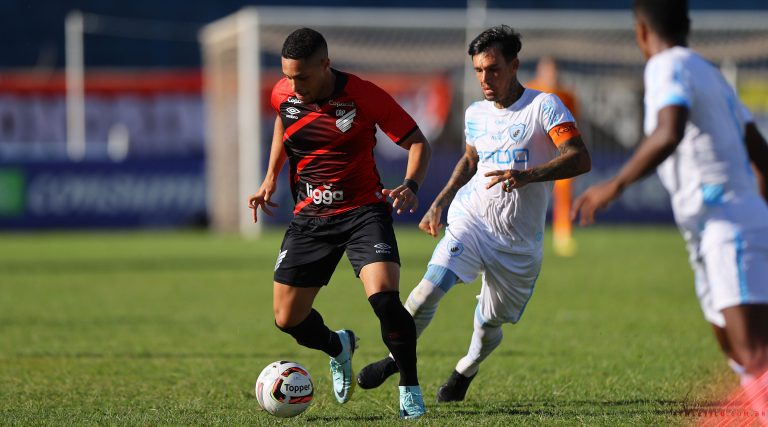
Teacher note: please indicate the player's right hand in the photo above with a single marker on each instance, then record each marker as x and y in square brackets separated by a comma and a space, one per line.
[430, 224]
[262, 198]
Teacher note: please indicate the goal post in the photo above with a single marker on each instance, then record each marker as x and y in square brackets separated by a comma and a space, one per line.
[233, 142]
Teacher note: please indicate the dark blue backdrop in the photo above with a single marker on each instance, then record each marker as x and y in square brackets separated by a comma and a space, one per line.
[33, 30]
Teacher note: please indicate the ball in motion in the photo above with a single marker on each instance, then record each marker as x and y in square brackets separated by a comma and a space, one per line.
[284, 389]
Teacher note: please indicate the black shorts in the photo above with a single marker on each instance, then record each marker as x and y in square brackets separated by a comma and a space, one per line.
[313, 246]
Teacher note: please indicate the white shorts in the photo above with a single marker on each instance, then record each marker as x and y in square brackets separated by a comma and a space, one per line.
[730, 269]
[508, 278]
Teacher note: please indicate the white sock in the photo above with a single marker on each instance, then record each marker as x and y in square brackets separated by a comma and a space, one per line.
[485, 339]
[736, 367]
[422, 303]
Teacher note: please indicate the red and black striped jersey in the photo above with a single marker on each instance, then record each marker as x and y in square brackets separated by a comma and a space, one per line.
[330, 143]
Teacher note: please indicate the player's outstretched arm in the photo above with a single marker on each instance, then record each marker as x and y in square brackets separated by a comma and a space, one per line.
[277, 157]
[573, 160]
[758, 155]
[652, 151]
[404, 196]
[462, 173]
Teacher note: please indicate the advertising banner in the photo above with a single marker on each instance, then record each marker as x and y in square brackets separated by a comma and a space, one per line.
[145, 193]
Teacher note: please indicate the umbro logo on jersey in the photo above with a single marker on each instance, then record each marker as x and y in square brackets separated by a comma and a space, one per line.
[383, 248]
[291, 112]
[345, 122]
[280, 258]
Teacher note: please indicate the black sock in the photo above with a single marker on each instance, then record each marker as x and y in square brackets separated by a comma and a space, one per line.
[398, 332]
[313, 333]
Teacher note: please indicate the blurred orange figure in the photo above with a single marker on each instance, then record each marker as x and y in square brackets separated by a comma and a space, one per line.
[546, 80]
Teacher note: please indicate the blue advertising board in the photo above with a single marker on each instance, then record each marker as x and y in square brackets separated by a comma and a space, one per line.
[134, 193]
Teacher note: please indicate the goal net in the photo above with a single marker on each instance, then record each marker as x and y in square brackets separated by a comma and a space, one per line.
[419, 56]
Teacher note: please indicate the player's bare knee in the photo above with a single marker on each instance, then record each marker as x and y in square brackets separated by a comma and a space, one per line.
[284, 319]
[281, 323]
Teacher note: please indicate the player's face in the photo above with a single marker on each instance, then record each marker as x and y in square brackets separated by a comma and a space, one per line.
[497, 77]
[308, 77]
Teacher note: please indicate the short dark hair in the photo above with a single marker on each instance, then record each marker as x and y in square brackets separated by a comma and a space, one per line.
[304, 43]
[667, 18]
[503, 35]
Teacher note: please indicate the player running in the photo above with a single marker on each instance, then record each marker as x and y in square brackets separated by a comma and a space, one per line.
[523, 140]
[701, 139]
[325, 127]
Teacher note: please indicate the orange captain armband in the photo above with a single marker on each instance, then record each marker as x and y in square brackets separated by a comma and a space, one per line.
[563, 132]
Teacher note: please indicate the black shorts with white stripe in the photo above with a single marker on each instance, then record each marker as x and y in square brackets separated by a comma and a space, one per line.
[313, 246]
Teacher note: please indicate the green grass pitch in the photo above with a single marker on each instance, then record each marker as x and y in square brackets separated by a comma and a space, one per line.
[172, 328]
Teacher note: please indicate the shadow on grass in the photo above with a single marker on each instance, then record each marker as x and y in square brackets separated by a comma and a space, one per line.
[542, 409]
[569, 408]
[350, 417]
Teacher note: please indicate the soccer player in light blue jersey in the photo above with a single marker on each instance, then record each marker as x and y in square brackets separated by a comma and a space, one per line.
[519, 141]
[712, 159]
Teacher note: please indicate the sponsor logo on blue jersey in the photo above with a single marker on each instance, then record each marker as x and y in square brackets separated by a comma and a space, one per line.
[501, 157]
[504, 157]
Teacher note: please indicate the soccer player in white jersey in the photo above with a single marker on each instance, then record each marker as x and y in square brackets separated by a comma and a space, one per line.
[701, 140]
[522, 140]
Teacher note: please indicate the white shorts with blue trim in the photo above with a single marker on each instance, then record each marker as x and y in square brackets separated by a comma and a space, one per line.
[508, 278]
[730, 267]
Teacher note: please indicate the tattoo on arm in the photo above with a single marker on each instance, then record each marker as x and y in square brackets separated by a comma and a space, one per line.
[573, 160]
[462, 173]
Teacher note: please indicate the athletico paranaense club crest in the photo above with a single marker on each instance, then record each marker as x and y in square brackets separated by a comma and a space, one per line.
[345, 121]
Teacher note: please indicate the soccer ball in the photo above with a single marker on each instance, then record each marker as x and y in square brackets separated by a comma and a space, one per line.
[284, 389]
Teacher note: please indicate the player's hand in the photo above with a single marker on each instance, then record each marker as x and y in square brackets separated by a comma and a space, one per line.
[402, 198]
[595, 198]
[430, 224]
[262, 199]
[509, 179]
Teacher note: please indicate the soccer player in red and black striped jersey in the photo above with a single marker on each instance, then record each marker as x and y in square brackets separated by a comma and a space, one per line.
[325, 128]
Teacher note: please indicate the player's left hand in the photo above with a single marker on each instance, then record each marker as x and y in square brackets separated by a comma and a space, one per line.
[402, 198]
[595, 198]
[509, 179]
